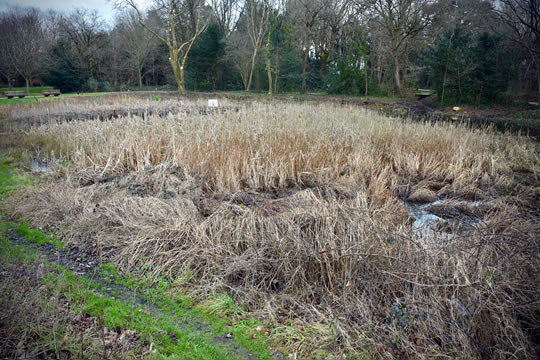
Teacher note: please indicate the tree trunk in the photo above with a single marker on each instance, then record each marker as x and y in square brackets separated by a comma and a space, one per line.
[397, 75]
[325, 59]
[258, 86]
[406, 68]
[182, 70]
[115, 77]
[244, 76]
[253, 60]
[304, 71]
[27, 85]
[366, 74]
[182, 89]
[276, 77]
[538, 81]
[269, 72]
[178, 72]
[139, 73]
[379, 70]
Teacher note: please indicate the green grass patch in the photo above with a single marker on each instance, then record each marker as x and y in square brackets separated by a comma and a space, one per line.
[172, 332]
[10, 252]
[34, 236]
[14, 253]
[86, 94]
[221, 312]
[25, 100]
[9, 179]
[153, 309]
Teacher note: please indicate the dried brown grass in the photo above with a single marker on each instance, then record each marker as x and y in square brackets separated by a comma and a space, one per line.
[296, 211]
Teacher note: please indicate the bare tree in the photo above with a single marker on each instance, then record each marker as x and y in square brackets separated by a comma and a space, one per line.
[184, 24]
[474, 15]
[274, 24]
[334, 16]
[258, 16]
[268, 51]
[309, 13]
[22, 44]
[401, 21]
[7, 41]
[227, 14]
[85, 29]
[522, 17]
[239, 53]
[137, 42]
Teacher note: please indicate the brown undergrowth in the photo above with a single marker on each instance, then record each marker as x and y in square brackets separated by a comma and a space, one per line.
[298, 211]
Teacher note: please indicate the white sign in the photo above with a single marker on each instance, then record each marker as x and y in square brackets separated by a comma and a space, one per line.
[212, 103]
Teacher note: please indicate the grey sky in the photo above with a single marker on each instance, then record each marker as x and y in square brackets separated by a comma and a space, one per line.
[104, 7]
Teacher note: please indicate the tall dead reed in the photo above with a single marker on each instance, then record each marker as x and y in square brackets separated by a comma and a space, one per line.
[263, 148]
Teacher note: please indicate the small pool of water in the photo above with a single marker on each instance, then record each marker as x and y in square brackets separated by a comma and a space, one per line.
[40, 166]
[424, 222]
[433, 229]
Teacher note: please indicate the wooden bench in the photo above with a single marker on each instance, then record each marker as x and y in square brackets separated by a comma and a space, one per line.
[12, 94]
[423, 93]
[53, 92]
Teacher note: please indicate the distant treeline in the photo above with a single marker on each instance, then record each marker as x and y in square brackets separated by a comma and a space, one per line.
[469, 51]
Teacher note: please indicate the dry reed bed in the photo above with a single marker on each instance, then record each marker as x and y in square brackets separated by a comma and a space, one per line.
[296, 210]
[261, 147]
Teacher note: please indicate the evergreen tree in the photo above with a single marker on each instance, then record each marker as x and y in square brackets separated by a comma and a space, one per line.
[467, 69]
[205, 68]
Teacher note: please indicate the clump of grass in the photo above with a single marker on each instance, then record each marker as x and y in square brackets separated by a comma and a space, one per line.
[297, 212]
[35, 236]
